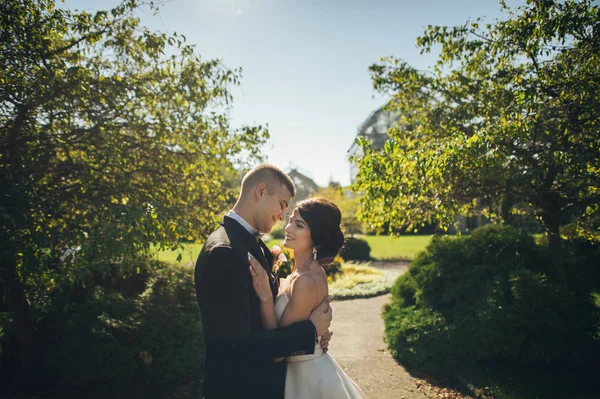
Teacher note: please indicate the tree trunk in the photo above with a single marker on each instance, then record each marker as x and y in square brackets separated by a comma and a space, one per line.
[506, 209]
[557, 260]
[18, 307]
[14, 290]
[3, 307]
[507, 204]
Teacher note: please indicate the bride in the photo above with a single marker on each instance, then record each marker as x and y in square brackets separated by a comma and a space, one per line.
[314, 233]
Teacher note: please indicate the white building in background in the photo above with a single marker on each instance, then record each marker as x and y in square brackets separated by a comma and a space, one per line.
[305, 186]
[375, 129]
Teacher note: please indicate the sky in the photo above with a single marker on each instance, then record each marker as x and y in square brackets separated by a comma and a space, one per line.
[305, 63]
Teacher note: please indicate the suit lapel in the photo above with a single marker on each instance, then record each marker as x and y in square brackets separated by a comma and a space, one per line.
[266, 251]
[273, 278]
[265, 259]
[257, 252]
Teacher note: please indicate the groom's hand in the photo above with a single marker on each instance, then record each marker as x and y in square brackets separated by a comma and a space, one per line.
[325, 340]
[321, 316]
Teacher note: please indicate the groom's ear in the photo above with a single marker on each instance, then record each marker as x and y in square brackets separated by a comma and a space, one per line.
[261, 190]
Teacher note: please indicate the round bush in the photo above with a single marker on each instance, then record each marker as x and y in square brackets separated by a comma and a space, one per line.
[117, 341]
[277, 232]
[334, 268]
[486, 297]
[356, 249]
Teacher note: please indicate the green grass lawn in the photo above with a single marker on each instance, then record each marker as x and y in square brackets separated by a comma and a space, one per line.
[387, 248]
[382, 248]
[189, 254]
[403, 247]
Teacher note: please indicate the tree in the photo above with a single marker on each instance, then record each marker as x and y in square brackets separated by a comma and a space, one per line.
[113, 138]
[506, 122]
[348, 204]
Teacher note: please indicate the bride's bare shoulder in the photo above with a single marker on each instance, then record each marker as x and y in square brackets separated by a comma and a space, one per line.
[311, 283]
[318, 273]
[304, 282]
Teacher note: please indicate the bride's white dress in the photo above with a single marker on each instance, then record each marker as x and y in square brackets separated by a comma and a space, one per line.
[317, 375]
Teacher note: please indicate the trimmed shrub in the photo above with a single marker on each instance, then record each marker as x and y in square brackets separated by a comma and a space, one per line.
[334, 268]
[356, 249]
[486, 297]
[112, 345]
[277, 232]
[405, 290]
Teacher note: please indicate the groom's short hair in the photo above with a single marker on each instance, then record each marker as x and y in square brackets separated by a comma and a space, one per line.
[270, 175]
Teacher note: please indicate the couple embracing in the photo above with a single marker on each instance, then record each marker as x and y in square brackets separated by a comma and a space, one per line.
[264, 339]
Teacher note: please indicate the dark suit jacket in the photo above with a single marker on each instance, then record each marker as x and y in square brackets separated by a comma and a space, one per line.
[239, 353]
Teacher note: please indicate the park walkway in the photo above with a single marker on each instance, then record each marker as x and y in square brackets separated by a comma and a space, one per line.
[358, 347]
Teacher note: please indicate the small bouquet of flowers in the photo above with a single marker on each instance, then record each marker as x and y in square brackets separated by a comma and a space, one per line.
[281, 265]
[278, 257]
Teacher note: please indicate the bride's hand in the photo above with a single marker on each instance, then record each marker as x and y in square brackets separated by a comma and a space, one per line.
[324, 342]
[260, 280]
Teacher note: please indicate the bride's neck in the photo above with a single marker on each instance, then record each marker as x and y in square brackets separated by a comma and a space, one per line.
[302, 261]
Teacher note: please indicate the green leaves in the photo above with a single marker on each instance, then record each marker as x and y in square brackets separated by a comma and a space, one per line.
[113, 137]
[509, 115]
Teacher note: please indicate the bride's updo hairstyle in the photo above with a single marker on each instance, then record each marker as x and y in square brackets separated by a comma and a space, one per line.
[323, 218]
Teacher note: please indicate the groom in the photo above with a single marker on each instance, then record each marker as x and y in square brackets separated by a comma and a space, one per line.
[239, 352]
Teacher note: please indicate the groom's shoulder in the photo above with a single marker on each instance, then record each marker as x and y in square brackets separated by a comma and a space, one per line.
[217, 245]
[222, 237]
[218, 238]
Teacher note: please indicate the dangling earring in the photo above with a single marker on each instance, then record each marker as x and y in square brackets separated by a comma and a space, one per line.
[314, 253]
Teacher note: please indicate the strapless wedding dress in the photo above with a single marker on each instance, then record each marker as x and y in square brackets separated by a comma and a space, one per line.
[315, 376]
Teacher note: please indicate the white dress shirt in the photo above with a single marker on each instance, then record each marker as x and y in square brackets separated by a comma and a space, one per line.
[242, 221]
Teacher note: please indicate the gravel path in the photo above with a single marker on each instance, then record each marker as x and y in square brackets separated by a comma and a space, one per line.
[358, 347]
